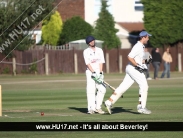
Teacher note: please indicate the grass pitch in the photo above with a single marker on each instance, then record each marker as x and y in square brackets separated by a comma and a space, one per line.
[62, 98]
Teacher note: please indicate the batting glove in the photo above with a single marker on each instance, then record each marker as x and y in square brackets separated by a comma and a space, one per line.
[100, 78]
[94, 76]
[140, 68]
[100, 81]
[148, 61]
[101, 75]
[97, 79]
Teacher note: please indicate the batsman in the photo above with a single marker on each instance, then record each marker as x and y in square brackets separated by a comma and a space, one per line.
[134, 73]
[94, 59]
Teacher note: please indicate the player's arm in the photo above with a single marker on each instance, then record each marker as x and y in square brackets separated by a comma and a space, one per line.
[147, 59]
[132, 60]
[101, 67]
[131, 56]
[143, 61]
[87, 61]
[90, 68]
[102, 61]
[94, 75]
[101, 75]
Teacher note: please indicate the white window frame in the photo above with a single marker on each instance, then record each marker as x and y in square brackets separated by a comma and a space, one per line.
[138, 6]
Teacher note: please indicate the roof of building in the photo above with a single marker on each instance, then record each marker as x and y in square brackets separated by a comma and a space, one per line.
[132, 26]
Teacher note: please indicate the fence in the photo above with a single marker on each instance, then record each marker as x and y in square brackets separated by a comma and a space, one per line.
[49, 47]
[71, 61]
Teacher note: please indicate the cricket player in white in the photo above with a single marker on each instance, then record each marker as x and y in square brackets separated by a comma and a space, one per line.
[94, 59]
[134, 73]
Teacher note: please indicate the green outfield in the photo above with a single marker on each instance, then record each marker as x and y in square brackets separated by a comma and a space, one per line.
[62, 98]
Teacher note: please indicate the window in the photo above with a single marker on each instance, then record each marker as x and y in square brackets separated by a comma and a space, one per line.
[97, 6]
[138, 5]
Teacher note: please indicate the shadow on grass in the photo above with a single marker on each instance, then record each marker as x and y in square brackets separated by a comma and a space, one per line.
[115, 110]
[82, 110]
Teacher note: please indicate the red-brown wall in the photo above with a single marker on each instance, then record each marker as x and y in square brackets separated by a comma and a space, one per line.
[70, 8]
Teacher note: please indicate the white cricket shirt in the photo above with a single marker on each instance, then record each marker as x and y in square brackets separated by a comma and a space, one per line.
[137, 52]
[94, 58]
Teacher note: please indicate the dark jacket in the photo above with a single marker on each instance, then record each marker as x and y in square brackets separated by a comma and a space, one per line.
[156, 56]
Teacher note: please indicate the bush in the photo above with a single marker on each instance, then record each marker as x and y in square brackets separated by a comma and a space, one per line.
[6, 70]
[75, 28]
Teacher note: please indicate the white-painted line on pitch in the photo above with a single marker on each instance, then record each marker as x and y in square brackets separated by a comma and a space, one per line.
[49, 81]
[44, 81]
[23, 118]
[65, 115]
[13, 117]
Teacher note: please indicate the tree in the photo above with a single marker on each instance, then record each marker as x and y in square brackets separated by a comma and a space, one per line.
[164, 21]
[18, 17]
[105, 29]
[75, 28]
[51, 29]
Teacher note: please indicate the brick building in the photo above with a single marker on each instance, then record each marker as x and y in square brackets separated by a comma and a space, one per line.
[128, 15]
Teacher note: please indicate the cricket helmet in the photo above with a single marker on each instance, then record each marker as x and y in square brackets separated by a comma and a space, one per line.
[89, 39]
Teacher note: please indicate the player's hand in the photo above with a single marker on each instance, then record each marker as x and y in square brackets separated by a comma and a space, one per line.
[101, 75]
[100, 81]
[149, 60]
[94, 76]
[141, 68]
[100, 78]
[97, 78]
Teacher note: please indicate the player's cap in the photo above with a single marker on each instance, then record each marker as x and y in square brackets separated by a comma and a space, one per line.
[144, 33]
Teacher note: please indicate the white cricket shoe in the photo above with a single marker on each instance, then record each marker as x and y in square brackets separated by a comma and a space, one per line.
[100, 111]
[91, 112]
[143, 110]
[108, 106]
[139, 106]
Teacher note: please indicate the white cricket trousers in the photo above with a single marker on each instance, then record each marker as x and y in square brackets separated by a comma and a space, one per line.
[132, 75]
[95, 92]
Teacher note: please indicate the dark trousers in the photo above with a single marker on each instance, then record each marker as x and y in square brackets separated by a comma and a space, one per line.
[156, 66]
